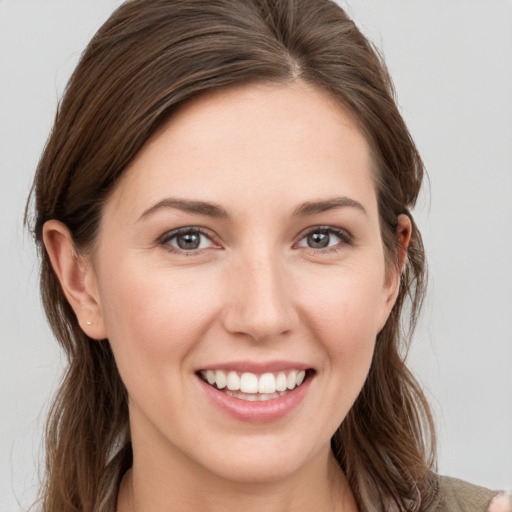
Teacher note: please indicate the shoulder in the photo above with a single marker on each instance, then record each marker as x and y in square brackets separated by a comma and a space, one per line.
[456, 495]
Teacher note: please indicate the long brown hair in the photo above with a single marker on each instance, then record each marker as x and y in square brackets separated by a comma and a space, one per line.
[150, 56]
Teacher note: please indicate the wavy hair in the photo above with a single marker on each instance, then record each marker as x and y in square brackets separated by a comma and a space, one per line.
[148, 58]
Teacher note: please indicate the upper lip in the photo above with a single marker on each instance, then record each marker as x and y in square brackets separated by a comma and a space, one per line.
[256, 367]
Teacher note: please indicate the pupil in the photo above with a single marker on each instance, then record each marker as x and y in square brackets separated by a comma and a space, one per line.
[189, 241]
[318, 240]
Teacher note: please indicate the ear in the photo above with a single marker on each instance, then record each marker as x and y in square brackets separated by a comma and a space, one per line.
[76, 277]
[403, 236]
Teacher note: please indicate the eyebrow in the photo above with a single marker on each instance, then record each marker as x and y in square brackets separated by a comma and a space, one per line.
[197, 207]
[314, 207]
[216, 211]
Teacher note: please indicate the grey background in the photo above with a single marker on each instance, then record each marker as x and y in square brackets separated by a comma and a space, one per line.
[452, 65]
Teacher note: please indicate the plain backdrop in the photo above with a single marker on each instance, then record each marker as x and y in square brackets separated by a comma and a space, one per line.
[451, 61]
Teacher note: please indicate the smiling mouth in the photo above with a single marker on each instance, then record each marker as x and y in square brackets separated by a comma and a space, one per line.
[254, 387]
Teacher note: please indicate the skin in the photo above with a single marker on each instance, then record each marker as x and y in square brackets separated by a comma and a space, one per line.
[254, 290]
[501, 503]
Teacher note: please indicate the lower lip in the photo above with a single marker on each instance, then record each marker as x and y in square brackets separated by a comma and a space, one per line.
[257, 412]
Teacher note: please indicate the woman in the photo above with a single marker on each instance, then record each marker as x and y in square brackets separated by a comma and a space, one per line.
[223, 212]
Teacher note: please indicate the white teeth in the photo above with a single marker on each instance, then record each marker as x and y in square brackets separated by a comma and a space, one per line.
[233, 381]
[249, 383]
[267, 383]
[210, 377]
[254, 397]
[291, 380]
[262, 387]
[281, 382]
[221, 379]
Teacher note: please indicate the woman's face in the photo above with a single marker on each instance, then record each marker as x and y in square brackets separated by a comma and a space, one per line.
[243, 246]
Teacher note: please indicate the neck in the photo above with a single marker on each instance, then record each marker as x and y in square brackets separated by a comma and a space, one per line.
[321, 487]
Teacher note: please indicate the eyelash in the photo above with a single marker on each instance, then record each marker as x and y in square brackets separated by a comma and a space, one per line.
[345, 238]
[174, 234]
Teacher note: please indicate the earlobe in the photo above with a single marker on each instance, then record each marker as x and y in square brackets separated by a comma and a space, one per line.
[76, 277]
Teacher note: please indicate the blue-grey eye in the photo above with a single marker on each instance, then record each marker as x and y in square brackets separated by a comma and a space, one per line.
[189, 240]
[320, 239]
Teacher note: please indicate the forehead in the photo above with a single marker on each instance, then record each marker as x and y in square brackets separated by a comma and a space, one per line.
[287, 142]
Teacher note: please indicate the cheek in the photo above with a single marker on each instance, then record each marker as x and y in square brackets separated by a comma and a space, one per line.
[345, 312]
[342, 316]
[153, 316]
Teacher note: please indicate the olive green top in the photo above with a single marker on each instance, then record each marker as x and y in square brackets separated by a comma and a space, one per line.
[458, 496]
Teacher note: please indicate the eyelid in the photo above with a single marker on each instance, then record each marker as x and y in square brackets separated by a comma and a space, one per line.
[173, 233]
[345, 236]
[346, 239]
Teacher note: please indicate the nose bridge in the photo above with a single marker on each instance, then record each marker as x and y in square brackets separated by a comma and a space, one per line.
[260, 301]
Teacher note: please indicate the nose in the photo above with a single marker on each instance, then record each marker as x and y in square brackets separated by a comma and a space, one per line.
[259, 304]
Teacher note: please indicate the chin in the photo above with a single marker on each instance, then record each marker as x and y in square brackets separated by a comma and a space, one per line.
[257, 470]
[262, 461]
